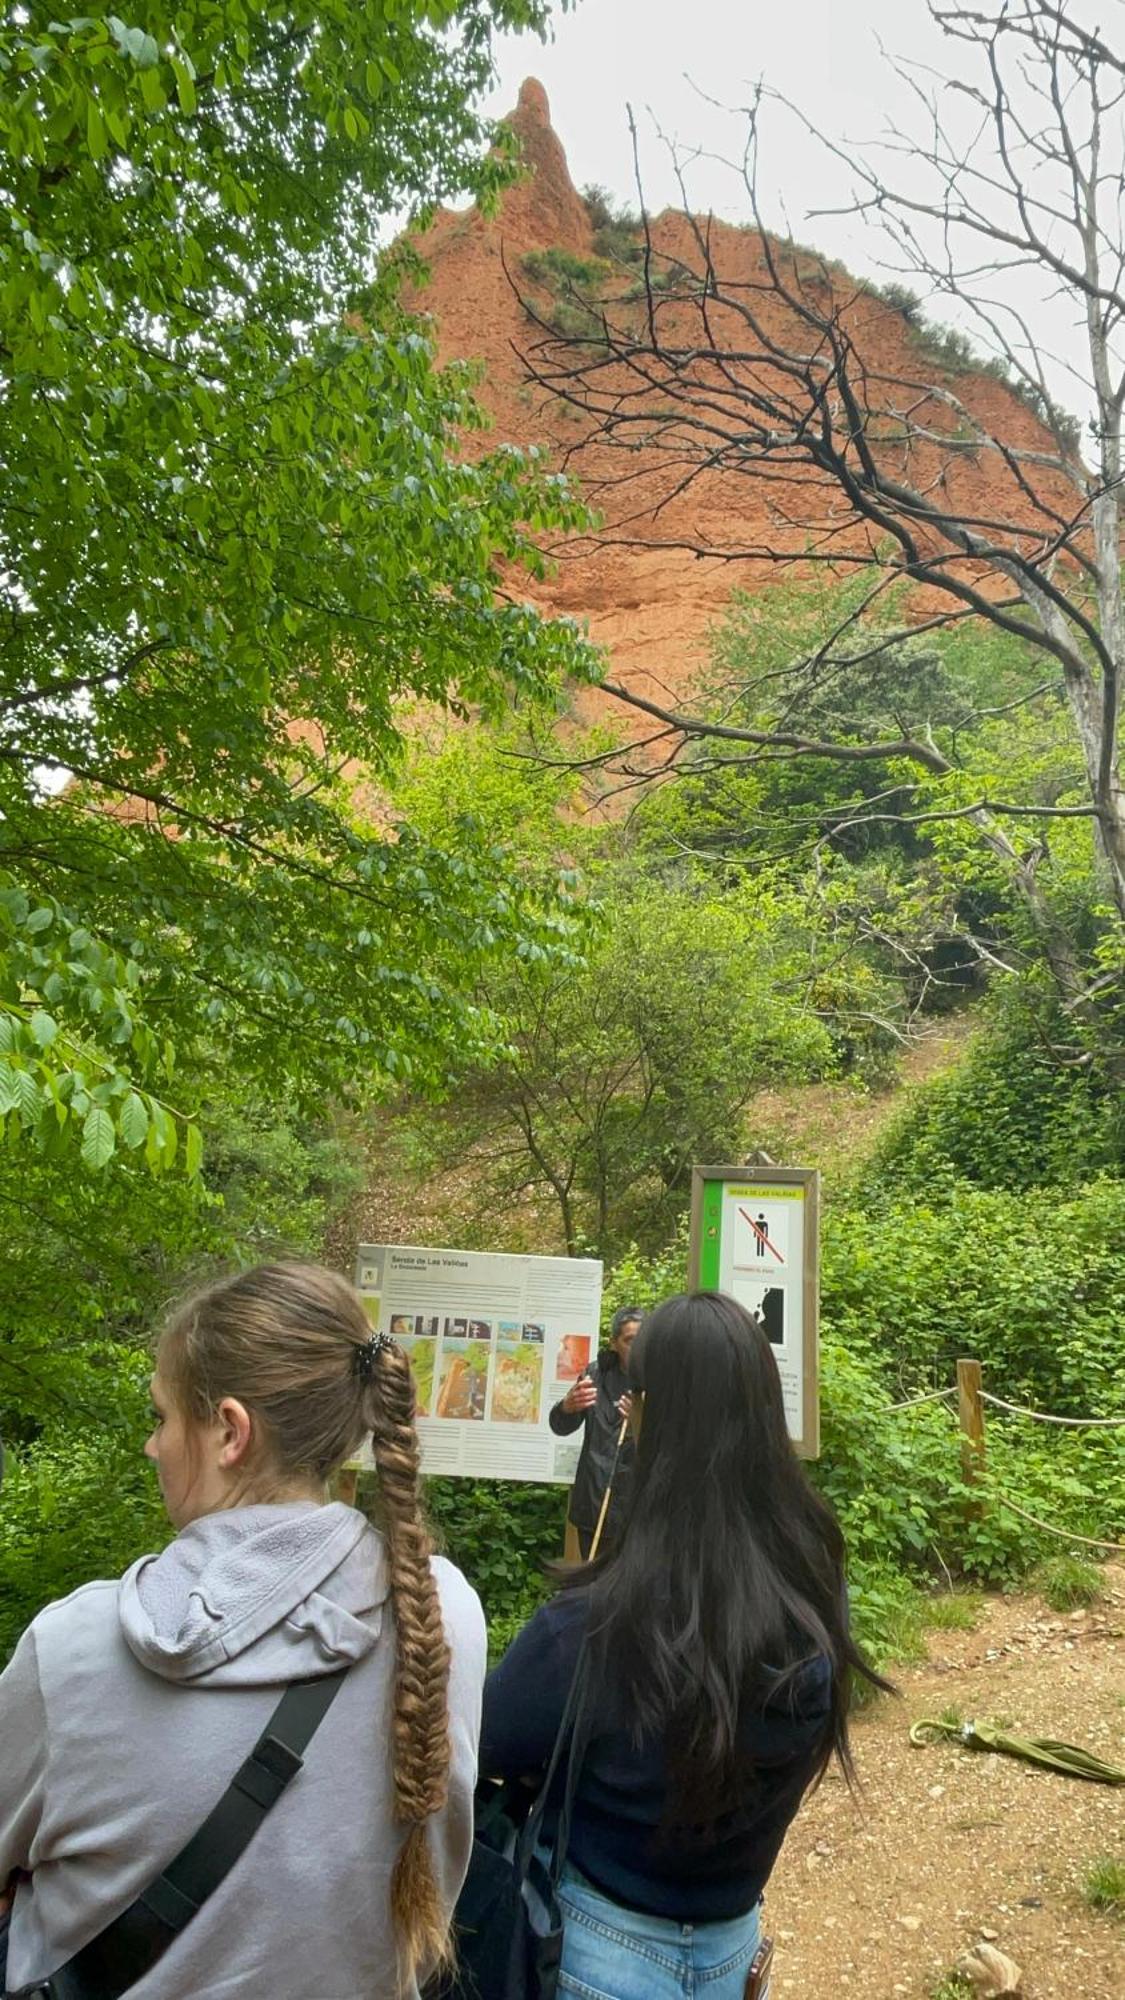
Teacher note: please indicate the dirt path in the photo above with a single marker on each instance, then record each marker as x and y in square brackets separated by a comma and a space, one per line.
[947, 1846]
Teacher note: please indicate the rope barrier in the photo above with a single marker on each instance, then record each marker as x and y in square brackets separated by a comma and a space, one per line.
[1090, 1541]
[1041, 1417]
[912, 1402]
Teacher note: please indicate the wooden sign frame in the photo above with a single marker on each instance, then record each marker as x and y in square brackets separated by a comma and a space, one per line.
[712, 1192]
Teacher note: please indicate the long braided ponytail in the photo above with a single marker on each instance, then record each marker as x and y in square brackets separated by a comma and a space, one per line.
[293, 1343]
[421, 1692]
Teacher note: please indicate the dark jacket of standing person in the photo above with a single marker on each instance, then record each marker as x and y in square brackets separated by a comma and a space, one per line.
[720, 1659]
[599, 1460]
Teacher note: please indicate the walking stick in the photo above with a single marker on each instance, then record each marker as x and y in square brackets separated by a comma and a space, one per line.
[608, 1490]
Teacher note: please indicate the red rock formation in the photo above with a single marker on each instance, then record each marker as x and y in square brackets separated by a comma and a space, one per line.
[653, 608]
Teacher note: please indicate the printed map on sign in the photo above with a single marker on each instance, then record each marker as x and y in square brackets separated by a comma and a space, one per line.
[494, 1341]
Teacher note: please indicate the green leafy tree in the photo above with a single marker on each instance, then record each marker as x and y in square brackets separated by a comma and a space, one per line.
[682, 996]
[864, 776]
[623, 1068]
[91, 1264]
[240, 538]
[93, 1260]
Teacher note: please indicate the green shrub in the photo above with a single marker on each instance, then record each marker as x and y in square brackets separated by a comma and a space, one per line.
[600, 206]
[886, 1620]
[1067, 1583]
[902, 300]
[1006, 1117]
[662, 278]
[1104, 1886]
[617, 228]
[79, 1504]
[951, 1610]
[558, 269]
[501, 1533]
[1032, 1284]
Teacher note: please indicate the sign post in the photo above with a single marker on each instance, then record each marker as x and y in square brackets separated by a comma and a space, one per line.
[754, 1234]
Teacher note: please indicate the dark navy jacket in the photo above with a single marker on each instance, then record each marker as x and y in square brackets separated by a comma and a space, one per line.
[596, 1459]
[619, 1839]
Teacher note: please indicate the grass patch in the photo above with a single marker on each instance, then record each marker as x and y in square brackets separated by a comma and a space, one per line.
[1069, 1584]
[1104, 1886]
[617, 228]
[555, 268]
[952, 1611]
[953, 1986]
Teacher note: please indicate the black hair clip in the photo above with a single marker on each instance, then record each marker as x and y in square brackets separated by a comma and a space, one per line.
[365, 1353]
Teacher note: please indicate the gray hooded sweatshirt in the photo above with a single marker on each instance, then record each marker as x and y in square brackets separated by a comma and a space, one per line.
[128, 1707]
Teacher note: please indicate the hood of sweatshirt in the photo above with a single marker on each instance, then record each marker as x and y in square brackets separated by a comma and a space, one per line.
[258, 1595]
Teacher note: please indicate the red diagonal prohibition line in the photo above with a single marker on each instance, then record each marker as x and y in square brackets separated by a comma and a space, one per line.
[761, 1235]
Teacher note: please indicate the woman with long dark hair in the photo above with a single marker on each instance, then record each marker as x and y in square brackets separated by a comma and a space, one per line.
[721, 1663]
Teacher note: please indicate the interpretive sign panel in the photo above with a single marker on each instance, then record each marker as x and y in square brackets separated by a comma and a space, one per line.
[754, 1235]
[494, 1341]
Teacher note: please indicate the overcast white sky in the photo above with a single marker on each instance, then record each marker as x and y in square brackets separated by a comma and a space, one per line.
[823, 54]
[659, 56]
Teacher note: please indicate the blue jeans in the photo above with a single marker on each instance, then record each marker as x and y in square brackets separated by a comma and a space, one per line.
[610, 1953]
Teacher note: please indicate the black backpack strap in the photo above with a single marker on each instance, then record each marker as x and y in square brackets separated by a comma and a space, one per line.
[581, 1732]
[571, 1740]
[130, 1946]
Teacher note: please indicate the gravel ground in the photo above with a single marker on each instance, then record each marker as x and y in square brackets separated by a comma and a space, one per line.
[882, 1894]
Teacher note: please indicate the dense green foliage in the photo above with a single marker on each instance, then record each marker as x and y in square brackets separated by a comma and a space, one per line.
[238, 532]
[1032, 1283]
[246, 558]
[92, 1264]
[1010, 1116]
[637, 1054]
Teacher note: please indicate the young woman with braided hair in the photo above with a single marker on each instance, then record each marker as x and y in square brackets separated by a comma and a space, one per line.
[129, 1706]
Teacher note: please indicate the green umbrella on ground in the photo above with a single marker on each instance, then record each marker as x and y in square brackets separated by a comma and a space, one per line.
[1068, 1758]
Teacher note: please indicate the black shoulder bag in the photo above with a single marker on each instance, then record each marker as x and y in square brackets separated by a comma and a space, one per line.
[508, 1927]
[129, 1947]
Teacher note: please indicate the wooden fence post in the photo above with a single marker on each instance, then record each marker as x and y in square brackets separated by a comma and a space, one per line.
[970, 1413]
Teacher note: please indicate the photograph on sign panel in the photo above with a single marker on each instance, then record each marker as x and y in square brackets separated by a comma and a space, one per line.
[421, 1355]
[463, 1380]
[573, 1358]
[517, 1382]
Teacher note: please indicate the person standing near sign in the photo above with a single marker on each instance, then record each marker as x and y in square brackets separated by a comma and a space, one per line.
[600, 1401]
